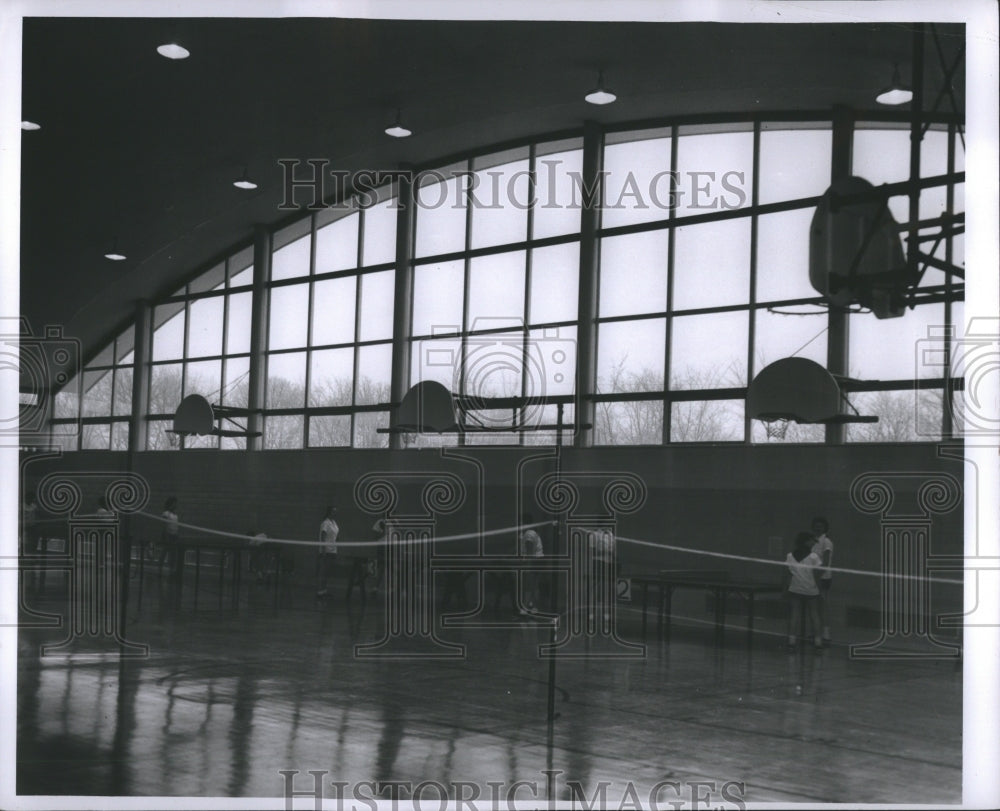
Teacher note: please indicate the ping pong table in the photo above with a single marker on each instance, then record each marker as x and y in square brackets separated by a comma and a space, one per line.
[718, 583]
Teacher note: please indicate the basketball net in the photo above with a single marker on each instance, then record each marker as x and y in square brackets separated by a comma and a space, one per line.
[777, 427]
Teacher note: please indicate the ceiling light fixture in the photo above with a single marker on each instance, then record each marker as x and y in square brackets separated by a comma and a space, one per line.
[600, 95]
[30, 125]
[397, 130]
[171, 50]
[113, 254]
[897, 93]
[244, 181]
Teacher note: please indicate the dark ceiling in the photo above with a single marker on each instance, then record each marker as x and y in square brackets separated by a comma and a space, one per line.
[143, 150]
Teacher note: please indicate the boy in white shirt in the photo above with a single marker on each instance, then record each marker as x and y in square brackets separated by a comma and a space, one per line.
[328, 532]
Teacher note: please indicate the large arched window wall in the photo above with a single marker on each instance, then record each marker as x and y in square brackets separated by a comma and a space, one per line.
[702, 280]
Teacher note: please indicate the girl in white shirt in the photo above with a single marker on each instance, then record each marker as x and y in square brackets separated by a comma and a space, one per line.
[823, 548]
[802, 590]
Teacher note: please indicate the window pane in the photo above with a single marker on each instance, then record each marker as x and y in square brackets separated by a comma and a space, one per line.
[122, 405]
[330, 431]
[890, 348]
[205, 330]
[283, 432]
[95, 437]
[436, 360]
[159, 437]
[493, 365]
[124, 346]
[558, 206]
[712, 264]
[438, 297]
[500, 199]
[634, 274]
[168, 337]
[551, 366]
[883, 156]
[794, 164]
[333, 311]
[238, 327]
[291, 260]
[67, 404]
[783, 256]
[715, 172]
[366, 425]
[119, 436]
[165, 388]
[242, 277]
[440, 217]
[637, 183]
[709, 351]
[706, 421]
[496, 289]
[236, 386]
[288, 317]
[211, 280]
[630, 356]
[374, 374]
[629, 423]
[377, 297]
[204, 378]
[331, 377]
[286, 380]
[380, 233]
[898, 416]
[232, 443]
[337, 245]
[555, 275]
[781, 336]
[97, 394]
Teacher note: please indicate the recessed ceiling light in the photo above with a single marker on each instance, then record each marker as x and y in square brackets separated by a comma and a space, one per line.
[30, 125]
[599, 95]
[114, 256]
[172, 50]
[397, 130]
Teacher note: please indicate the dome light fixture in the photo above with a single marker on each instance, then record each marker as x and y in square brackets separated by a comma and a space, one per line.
[397, 130]
[30, 126]
[244, 181]
[600, 95]
[171, 50]
[895, 94]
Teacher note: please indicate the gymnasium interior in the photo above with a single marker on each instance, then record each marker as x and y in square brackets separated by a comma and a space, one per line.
[663, 293]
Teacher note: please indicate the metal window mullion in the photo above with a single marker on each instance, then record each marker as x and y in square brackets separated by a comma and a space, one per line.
[668, 326]
[752, 309]
[306, 422]
[530, 226]
[358, 279]
[467, 271]
[947, 394]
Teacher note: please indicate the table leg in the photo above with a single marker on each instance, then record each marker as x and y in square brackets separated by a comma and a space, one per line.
[645, 590]
[222, 572]
[750, 607]
[197, 574]
[720, 614]
[666, 611]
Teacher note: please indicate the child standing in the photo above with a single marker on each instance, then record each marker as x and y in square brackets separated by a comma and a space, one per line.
[823, 548]
[802, 589]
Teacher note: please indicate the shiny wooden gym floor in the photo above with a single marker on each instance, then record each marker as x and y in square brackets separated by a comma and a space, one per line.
[227, 699]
